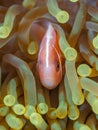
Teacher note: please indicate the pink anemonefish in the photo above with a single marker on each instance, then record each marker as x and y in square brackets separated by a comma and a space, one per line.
[49, 63]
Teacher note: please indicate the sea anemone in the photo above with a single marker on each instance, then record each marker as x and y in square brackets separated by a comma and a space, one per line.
[25, 104]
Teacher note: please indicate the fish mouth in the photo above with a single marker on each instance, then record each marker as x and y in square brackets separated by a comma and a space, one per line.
[49, 83]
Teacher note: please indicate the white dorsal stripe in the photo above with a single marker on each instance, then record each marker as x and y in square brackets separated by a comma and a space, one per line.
[48, 38]
[58, 58]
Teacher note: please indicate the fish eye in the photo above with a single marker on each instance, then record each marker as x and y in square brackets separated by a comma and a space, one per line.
[57, 66]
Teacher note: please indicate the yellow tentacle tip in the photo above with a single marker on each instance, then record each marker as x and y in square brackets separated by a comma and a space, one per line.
[9, 100]
[95, 106]
[42, 108]
[2, 127]
[95, 42]
[62, 16]
[74, 0]
[32, 48]
[80, 126]
[19, 109]
[14, 122]
[70, 53]
[37, 120]
[84, 70]
[4, 110]
[61, 111]
[84, 127]
[29, 3]
[73, 112]
[4, 31]
[29, 109]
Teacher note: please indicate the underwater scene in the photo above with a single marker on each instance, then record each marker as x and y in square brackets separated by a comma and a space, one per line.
[49, 65]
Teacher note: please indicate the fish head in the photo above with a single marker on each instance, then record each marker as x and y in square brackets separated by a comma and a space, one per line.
[50, 73]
